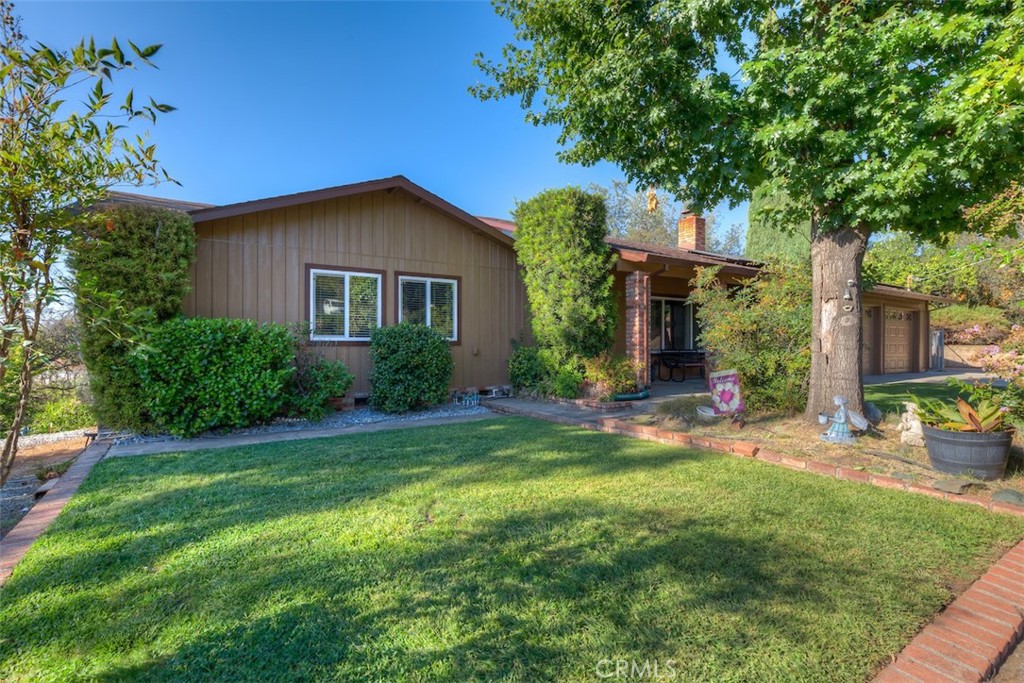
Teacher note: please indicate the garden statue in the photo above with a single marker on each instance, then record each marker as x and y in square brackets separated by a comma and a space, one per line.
[839, 432]
[911, 432]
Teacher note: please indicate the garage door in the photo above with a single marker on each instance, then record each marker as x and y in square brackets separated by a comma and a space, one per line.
[899, 338]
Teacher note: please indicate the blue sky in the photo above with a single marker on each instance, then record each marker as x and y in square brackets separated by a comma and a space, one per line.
[283, 97]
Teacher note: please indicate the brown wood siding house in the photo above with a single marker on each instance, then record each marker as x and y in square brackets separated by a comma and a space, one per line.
[262, 259]
[255, 260]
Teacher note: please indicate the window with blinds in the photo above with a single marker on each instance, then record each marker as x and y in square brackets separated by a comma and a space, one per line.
[429, 301]
[343, 306]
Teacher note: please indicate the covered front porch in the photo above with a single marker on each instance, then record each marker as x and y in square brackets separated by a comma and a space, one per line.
[658, 327]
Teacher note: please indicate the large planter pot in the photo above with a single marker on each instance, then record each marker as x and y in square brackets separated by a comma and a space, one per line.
[982, 455]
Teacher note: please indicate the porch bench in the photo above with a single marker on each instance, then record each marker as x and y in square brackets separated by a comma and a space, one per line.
[678, 360]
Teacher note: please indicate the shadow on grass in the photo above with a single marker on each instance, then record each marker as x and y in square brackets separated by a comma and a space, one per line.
[512, 598]
[457, 553]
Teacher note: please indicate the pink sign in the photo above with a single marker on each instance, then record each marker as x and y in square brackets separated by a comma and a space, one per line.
[726, 398]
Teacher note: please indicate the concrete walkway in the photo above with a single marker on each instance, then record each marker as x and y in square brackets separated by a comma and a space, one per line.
[209, 442]
[928, 377]
[559, 413]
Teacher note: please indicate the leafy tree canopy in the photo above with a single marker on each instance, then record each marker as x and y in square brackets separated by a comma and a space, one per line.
[769, 237]
[884, 115]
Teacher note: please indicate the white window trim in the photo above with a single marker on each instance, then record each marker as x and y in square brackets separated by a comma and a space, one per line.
[313, 273]
[428, 281]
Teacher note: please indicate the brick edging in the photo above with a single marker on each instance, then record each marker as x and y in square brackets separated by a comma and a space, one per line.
[755, 451]
[19, 539]
[746, 449]
[972, 637]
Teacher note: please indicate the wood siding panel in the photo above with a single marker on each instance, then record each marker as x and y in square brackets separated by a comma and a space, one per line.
[255, 266]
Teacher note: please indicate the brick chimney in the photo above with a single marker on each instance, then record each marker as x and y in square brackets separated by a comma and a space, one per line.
[692, 232]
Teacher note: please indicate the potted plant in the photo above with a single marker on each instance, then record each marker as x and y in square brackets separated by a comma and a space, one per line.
[967, 438]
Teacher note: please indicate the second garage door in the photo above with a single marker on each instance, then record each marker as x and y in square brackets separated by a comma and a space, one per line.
[899, 340]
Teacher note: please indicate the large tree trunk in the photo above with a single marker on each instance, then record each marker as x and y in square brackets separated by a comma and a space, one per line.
[836, 259]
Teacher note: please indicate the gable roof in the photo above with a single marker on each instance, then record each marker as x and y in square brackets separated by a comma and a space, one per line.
[394, 183]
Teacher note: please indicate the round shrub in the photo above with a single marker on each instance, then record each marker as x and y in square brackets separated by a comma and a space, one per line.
[609, 375]
[566, 382]
[199, 374]
[529, 367]
[412, 368]
[315, 382]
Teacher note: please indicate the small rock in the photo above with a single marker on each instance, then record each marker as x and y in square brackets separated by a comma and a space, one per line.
[956, 486]
[1009, 496]
[904, 476]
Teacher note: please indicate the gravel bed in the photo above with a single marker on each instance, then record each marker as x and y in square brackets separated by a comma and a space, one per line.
[31, 440]
[16, 497]
[339, 420]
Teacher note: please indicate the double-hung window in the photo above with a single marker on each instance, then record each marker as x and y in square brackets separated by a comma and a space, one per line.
[430, 301]
[343, 306]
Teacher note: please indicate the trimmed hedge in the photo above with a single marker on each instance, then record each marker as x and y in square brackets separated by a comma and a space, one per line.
[199, 374]
[567, 270]
[412, 368]
[131, 266]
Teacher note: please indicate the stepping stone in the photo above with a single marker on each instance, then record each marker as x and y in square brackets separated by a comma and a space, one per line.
[956, 486]
[1009, 496]
[904, 476]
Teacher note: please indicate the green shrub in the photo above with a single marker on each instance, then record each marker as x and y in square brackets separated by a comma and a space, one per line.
[314, 383]
[529, 367]
[131, 266]
[412, 368]
[971, 324]
[566, 382]
[610, 375]
[60, 414]
[200, 374]
[567, 269]
[763, 331]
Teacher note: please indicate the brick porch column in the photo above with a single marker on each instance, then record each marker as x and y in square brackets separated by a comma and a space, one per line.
[638, 307]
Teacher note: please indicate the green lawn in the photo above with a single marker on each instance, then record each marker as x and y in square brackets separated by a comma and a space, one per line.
[506, 549]
[889, 398]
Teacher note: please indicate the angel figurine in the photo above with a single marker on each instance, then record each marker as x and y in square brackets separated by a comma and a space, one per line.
[839, 431]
